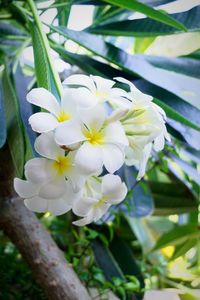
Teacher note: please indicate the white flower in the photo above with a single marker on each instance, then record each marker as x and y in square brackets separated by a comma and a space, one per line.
[98, 197]
[58, 112]
[137, 155]
[144, 117]
[164, 294]
[57, 206]
[102, 143]
[94, 89]
[46, 188]
[56, 164]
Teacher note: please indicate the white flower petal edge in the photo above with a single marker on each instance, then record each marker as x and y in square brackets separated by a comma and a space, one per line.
[43, 122]
[25, 188]
[43, 98]
[94, 206]
[57, 206]
[46, 146]
[113, 189]
[69, 133]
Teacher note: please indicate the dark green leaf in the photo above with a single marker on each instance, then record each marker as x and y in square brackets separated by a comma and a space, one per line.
[139, 201]
[21, 86]
[187, 169]
[88, 64]
[106, 261]
[181, 85]
[15, 134]
[148, 11]
[149, 28]
[125, 258]
[172, 198]
[178, 235]
[181, 249]
[2, 120]
[43, 69]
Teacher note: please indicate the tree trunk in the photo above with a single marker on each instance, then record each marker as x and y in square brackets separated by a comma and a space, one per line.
[51, 270]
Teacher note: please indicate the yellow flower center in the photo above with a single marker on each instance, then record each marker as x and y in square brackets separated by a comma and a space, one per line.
[94, 137]
[99, 203]
[101, 94]
[63, 116]
[62, 164]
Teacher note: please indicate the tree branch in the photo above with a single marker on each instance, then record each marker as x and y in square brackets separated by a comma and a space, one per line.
[51, 270]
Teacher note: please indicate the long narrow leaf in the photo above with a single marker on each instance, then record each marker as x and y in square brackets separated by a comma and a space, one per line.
[148, 11]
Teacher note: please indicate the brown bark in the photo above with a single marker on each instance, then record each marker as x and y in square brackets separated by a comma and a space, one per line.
[48, 264]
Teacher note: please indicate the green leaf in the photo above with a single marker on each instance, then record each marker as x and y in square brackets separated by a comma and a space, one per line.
[172, 198]
[87, 63]
[187, 168]
[125, 258]
[173, 114]
[147, 27]
[106, 261]
[15, 134]
[2, 120]
[139, 201]
[43, 70]
[181, 115]
[180, 110]
[181, 249]
[47, 75]
[148, 11]
[186, 87]
[178, 235]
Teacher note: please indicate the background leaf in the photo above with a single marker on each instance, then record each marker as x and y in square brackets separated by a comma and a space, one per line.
[147, 27]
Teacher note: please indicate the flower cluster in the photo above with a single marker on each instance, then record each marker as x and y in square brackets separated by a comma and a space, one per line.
[96, 126]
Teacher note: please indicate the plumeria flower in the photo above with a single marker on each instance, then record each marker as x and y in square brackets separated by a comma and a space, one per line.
[58, 112]
[94, 89]
[165, 294]
[30, 192]
[102, 143]
[137, 155]
[53, 168]
[98, 197]
[144, 117]
[46, 188]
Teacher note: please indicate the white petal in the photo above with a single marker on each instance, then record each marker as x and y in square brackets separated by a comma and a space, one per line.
[113, 157]
[143, 162]
[68, 102]
[53, 189]
[114, 133]
[39, 170]
[43, 98]
[43, 122]
[82, 80]
[85, 98]
[36, 204]
[46, 146]
[81, 207]
[117, 114]
[89, 159]
[59, 206]
[84, 221]
[113, 189]
[159, 142]
[93, 117]
[77, 180]
[129, 83]
[100, 211]
[102, 84]
[64, 204]
[25, 189]
[68, 133]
